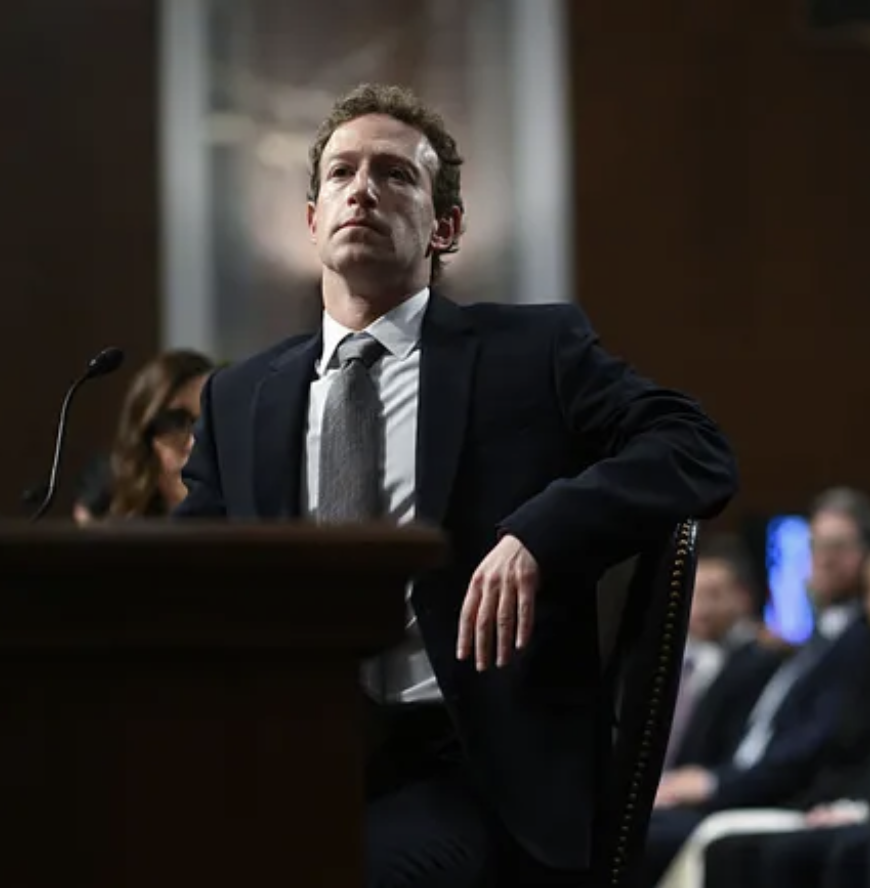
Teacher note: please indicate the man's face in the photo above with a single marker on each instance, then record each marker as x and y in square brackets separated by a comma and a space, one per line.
[838, 558]
[718, 601]
[375, 212]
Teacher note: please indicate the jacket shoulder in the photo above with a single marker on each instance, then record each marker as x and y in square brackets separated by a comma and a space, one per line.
[549, 316]
[252, 368]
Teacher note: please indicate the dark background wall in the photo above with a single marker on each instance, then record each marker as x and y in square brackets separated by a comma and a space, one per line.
[724, 215]
[78, 220]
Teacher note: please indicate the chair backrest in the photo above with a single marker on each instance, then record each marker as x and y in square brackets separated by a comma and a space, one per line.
[643, 619]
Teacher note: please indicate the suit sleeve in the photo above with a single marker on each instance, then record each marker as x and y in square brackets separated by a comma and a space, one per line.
[788, 765]
[201, 475]
[660, 460]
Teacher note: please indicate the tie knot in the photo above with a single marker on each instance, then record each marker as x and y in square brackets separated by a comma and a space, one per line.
[359, 347]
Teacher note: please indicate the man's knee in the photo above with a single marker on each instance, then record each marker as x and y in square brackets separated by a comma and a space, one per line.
[435, 863]
[430, 835]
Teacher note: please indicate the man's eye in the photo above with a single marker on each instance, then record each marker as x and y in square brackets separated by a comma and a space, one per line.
[400, 174]
[339, 172]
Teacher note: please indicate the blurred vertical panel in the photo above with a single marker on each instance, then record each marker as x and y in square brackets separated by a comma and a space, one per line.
[186, 92]
[78, 223]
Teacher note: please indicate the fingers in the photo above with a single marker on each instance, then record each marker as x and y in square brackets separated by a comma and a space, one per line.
[525, 609]
[497, 617]
[506, 624]
[468, 617]
[664, 795]
[498, 613]
[484, 630]
[488, 621]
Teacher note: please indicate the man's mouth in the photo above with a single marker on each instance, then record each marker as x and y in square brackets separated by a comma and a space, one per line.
[361, 223]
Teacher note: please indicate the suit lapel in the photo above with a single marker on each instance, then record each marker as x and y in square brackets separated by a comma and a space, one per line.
[448, 356]
[280, 412]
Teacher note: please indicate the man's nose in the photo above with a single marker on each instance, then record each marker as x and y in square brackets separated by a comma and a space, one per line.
[363, 190]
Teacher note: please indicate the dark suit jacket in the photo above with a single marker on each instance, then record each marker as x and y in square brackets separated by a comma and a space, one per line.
[719, 717]
[803, 729]
[844, 771]
[525, 426]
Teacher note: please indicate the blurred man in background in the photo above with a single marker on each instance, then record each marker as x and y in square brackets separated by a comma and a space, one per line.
[787, 735]
[724, 666]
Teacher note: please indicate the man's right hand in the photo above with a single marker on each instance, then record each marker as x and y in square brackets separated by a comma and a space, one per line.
[685, 786]
[843, 812]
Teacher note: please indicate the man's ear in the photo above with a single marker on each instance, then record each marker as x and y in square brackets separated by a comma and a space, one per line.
[311, 217]
[447, 230]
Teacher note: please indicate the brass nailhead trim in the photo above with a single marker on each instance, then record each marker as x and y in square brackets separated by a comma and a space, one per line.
[684, 534]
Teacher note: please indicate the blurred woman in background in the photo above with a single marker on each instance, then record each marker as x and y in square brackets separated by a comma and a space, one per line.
[155, 434]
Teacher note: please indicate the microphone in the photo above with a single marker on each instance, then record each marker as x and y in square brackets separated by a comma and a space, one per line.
[107, 361]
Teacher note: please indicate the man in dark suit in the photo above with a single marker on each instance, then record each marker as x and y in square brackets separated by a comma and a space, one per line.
[543, 458]
[725, 665]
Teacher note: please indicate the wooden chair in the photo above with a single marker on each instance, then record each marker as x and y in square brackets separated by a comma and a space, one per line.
[643, 619]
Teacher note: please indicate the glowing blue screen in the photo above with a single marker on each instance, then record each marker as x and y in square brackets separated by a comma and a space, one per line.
[789, 612]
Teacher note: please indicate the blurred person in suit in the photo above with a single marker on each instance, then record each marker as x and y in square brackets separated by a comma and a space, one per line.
[827, 841]
[543, 457]
[155, 434]
[807, 844]
[725, 666]
[783, 744]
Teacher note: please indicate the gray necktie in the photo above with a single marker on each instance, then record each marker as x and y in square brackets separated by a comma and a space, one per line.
[760, 727]
[351, 437]
[683, 710]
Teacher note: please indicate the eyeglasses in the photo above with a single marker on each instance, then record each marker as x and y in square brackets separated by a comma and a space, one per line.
[837, 545]
[173, 422]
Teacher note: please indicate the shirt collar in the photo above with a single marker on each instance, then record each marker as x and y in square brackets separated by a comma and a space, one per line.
[742, 632]
[833, 621]
[398, 331]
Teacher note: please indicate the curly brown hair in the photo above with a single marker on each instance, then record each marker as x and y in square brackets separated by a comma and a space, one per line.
[403, 105]
[135, 466]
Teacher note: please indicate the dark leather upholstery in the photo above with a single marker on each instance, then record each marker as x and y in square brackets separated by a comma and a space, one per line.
[643, 619]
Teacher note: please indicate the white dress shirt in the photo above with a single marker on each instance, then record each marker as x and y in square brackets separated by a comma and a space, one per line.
[405, 673]
[831, 623]
[709, 657]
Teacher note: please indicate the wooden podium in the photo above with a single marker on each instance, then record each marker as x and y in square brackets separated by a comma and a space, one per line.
[179, 703]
